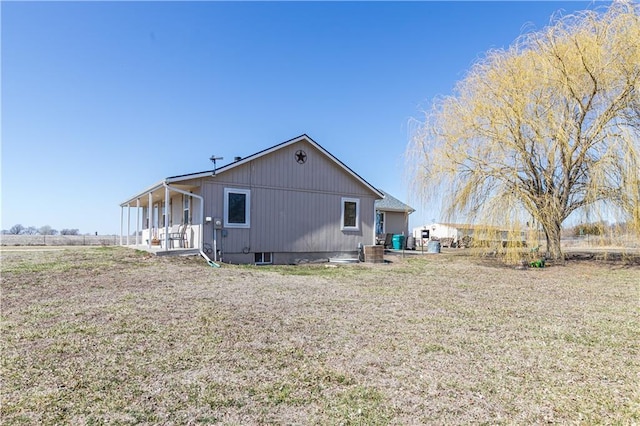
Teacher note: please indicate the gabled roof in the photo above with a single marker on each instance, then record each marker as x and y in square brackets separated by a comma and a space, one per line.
[237, 163]
[390, 203]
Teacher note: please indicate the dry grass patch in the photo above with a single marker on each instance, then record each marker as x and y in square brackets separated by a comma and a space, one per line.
[104, 336]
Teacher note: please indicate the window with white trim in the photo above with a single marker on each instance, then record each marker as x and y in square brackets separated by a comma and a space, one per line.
[237, 208]
[350, 217]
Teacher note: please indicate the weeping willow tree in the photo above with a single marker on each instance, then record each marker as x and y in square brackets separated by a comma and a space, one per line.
[543, 130]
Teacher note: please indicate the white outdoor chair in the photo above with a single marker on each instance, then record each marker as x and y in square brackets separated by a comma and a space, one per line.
[177, 234]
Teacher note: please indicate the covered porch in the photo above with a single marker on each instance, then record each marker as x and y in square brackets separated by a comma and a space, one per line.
[167, 217]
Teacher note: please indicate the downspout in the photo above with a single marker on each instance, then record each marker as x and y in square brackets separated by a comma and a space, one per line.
[215, 240]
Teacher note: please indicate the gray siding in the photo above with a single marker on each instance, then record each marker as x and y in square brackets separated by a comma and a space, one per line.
[396, 223]
[279, 169]
[294, 207]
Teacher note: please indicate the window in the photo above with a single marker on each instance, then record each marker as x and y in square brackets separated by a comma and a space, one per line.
[186, 209]
[262, 258]
[379, 222]
[350, 214]
[237, 208]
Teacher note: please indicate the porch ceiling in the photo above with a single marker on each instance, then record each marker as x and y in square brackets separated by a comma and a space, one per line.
[158, 194]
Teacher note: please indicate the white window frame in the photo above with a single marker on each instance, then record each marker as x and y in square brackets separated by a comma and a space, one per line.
[342, 215]
[247, 222]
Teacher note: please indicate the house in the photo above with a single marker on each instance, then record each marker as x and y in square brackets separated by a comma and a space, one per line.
[453, 234]
[291, 203]
[441, 231]
[392, 216]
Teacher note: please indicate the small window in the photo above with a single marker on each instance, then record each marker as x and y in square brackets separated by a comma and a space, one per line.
[350, 214]
[263, 258]
[237, 208]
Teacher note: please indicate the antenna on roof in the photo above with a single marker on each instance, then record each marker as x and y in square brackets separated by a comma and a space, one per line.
[213, 158]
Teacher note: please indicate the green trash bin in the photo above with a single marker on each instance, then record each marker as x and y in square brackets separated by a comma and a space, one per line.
[397, 241]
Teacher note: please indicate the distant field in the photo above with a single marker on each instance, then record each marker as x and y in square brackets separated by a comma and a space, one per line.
[109, 335]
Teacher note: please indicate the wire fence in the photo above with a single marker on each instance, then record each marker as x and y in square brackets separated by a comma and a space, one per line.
[59, 240]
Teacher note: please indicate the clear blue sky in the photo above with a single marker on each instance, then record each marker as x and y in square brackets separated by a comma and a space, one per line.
[101, 100]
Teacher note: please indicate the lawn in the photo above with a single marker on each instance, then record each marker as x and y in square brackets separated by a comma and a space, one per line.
[115, 336]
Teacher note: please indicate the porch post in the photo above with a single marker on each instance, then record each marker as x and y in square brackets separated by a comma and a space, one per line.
[137, 221]
[150, 215]
[166, 218]
[121, 222]
[128, 223]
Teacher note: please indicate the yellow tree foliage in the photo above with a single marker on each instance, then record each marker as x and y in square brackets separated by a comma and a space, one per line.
[544, 129]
